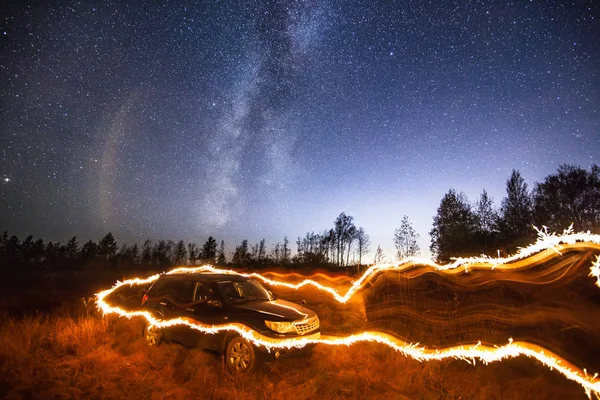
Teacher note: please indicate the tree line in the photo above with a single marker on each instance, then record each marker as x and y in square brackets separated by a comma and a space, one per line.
[570, 196]
[342, 245]
[15, 253]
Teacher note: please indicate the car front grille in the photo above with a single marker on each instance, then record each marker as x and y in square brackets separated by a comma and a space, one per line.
[307, 326]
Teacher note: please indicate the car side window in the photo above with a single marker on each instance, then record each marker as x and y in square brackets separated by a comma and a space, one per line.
[181, 291]
[158, 289]
[204, 292]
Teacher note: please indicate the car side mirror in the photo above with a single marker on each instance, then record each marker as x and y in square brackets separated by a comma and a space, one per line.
[304, 302]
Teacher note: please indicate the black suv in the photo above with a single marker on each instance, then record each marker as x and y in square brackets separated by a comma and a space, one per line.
[216, 299]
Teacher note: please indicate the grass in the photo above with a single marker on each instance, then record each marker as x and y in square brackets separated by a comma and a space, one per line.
[71, 355]
[55, 346]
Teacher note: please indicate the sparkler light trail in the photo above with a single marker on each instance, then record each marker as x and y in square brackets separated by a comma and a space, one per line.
[548, 246]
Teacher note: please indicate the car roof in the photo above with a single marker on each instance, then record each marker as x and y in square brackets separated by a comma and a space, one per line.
[205, 277]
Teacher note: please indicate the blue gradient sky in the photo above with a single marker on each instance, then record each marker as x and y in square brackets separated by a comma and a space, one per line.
[250, 120]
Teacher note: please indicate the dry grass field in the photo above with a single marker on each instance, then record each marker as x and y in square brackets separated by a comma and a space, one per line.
[64, 356]
[67, 350]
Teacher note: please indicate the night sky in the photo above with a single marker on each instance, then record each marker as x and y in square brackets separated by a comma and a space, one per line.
[243, 119]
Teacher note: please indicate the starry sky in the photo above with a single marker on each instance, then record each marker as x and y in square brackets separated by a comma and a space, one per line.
[261, 119]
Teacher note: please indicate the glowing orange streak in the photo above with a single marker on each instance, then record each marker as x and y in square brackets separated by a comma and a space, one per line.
[595, 270]
[469, 353]
[545, 242]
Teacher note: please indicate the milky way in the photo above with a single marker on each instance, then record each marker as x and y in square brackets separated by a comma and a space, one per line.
[269, 118]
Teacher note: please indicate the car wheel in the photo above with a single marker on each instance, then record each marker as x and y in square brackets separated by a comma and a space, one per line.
[239, 355]
[153, 335]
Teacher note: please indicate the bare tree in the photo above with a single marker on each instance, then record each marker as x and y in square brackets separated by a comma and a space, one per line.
[362, 239]
[405, 239]
[262, 250]
[193, 253]
[344, 231]
[276, 253]
[286, 252]
[379, 256]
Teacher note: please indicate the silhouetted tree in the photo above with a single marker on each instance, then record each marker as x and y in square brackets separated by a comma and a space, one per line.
[516, 214]
[180, 253]
[349, 239]
[72, 248]
[405, 240]
[27, 255]
[379, 256]
[276, 253]
[487, 223]
[344, 231]
[38, 250]
[363, 242]
[221, 259]
[571, 196]
[286, 252]
[454, 228]
[241, 256]
[135, 253]
[11, 251]
[160, 253]
[170, 252]
[311, 250]
[209, 251]
[262, 251]
[193, 253]
[107, 247]
[124, 255]
[89, 251]
[52, 252]
[147, 252]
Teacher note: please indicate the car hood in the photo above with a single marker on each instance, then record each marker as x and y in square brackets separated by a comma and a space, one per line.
[279, 309]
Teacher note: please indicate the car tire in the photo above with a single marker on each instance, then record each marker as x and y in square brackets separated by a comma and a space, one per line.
[153, 335]
[239, 355]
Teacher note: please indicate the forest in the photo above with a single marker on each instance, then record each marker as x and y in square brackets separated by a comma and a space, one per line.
[570, 196]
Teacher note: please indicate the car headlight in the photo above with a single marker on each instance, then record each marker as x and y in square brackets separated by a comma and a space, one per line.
[280, 327]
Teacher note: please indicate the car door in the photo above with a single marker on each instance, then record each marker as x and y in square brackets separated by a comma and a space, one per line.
[208, 310]
[177, 295]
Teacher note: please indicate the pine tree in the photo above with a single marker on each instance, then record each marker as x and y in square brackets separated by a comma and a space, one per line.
[107, 247]
[516, 219]
[209, 251]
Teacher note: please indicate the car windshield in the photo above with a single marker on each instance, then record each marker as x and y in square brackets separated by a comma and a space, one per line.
[249, 290]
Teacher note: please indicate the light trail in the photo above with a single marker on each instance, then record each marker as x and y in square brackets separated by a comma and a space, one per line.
[547, 246]
[595, 270]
